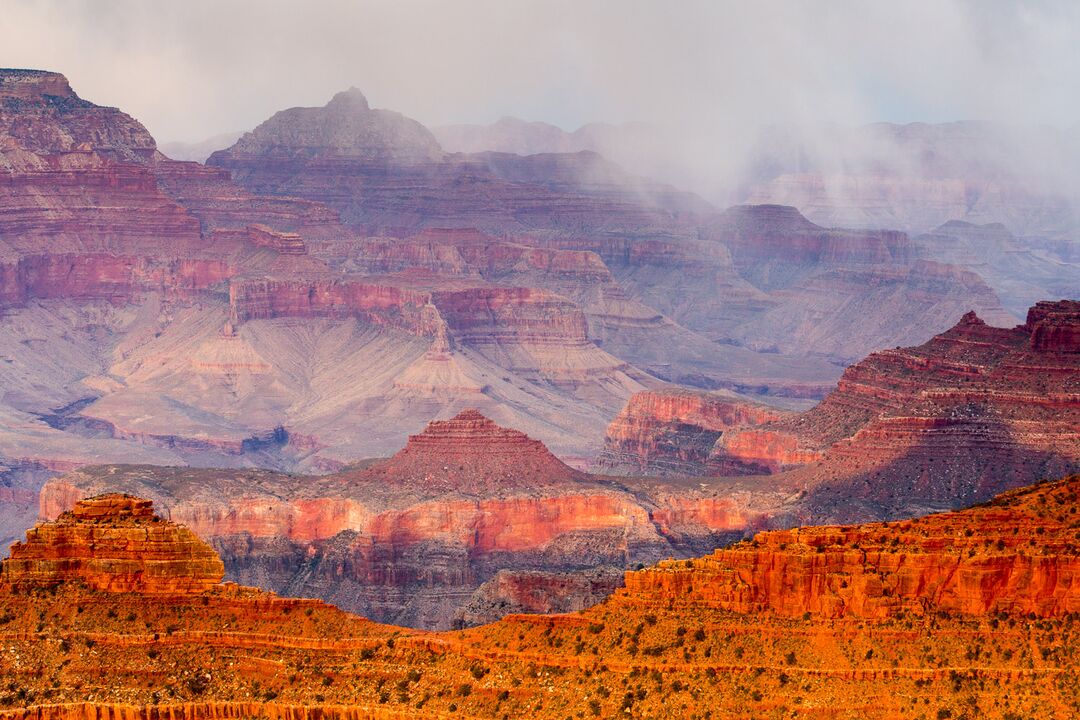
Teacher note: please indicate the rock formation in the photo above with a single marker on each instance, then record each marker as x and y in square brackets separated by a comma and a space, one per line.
[673, 432]
[411, 538]
[963, 612]
[113, 543]
[972, 412]
[1014, 556]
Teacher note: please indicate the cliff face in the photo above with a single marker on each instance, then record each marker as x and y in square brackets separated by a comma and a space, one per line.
[673, 432]
[116, 544]
[971, 611]
[1016, 555]
[412, 537]
[974, 411]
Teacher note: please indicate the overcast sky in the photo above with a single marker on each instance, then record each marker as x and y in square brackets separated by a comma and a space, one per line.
[195, 68]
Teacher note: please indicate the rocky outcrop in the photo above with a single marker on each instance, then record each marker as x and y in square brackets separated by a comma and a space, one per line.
[962, 610]
[116, 544]
[673, 432]
[1013, 556]
[974, 411]
[411, 538]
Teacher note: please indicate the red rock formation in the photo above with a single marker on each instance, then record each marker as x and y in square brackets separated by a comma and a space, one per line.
[116, 544]
[972, 412]
[1016, 555]
[971, 609]
[471, 454]
[673, 431]
[413, 536]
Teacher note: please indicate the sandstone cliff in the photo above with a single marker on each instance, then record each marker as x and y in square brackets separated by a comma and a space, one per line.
[964, 612]
[411, 538]
[974, 411]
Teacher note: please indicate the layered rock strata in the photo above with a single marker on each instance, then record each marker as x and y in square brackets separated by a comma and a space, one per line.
[972, 412]
[815, 621]
[412, 537]
[674, 431]
[1014, 556]
[116, 544]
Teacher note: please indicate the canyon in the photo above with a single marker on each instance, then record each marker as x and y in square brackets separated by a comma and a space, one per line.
[468, 516]
[238, 340]
[971, 611]
[338, 264]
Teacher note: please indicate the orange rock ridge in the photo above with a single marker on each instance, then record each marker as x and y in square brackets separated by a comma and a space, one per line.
[1017, 555]
[949, 614]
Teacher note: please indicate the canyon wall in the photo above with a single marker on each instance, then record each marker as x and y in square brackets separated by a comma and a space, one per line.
[968, 611]
[413, 537]
[972, 412]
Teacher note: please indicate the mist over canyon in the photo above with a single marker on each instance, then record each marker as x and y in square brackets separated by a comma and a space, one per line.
[734, 376]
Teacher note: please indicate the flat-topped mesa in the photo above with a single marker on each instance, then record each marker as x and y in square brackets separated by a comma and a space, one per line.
[1055, 326]
[33, 84]
[1017, 555]
[113, 543]
[469, 453]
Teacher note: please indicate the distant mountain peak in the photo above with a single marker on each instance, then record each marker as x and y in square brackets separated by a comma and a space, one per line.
[351, 99]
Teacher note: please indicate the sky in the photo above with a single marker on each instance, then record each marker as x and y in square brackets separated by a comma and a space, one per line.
[189, 70]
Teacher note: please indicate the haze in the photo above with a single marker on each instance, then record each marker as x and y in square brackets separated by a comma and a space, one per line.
[700, 65]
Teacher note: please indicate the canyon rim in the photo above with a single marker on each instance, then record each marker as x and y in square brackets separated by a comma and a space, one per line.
[379, 361]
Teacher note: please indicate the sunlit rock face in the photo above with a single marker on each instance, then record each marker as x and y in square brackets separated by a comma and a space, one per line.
[973, 608]
[113, 543]
[1013, 556]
